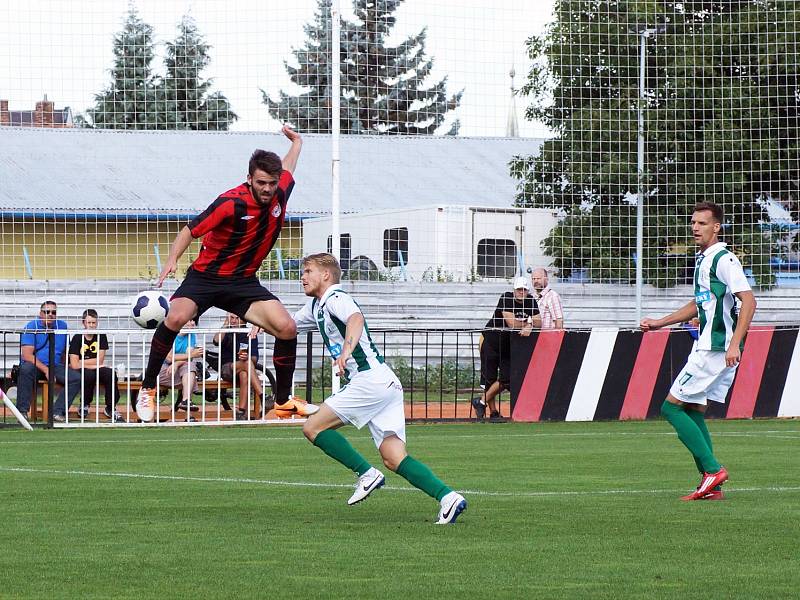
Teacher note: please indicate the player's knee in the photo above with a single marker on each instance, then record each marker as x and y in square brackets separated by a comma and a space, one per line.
[310, 431]
[391, 463]
[175, 320]
[287, 331]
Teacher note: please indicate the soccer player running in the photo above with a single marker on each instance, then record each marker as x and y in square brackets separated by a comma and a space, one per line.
[240, 228]
[709, 370]
[372, 394]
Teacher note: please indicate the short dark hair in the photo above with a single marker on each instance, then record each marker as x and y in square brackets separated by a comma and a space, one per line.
[269, 162]
[715, 209]
[89, 312]
[48, 303]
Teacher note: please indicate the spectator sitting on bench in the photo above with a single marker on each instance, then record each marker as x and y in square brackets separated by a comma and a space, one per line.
[235, 358]
[180, 369]
[87, 352]
[35, 354]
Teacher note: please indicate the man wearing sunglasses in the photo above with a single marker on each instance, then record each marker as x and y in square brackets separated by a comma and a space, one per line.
[35, 354]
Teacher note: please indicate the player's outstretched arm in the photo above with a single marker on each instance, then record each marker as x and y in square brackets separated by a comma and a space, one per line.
[290, 160]
[684, 313]
[179, 246]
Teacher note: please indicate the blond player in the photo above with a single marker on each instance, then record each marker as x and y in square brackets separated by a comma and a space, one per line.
[371, 395]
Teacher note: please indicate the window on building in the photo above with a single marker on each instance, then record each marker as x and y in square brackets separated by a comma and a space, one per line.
[344, 249]
[395, 245]
[497, 258]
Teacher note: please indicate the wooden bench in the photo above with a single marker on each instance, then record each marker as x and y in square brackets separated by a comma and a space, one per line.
[125, 385]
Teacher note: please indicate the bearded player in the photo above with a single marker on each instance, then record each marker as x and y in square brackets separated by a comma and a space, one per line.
[239, 230]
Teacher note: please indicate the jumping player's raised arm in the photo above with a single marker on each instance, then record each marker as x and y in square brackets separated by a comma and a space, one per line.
[289, 161]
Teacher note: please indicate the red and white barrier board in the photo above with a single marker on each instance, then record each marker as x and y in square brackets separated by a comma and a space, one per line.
[622, 374]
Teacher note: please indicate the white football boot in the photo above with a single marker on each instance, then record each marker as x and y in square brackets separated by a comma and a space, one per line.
[452, 505]
[366, 484]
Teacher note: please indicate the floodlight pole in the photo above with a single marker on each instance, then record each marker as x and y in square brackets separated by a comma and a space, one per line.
[643, 35]
[335, 131]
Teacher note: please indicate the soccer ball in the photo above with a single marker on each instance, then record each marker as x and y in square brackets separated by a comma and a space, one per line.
[149, 309]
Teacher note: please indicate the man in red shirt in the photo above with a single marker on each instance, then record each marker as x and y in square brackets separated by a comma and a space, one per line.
[240, 229]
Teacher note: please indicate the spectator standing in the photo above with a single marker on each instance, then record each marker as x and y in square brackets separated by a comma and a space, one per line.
[35, 353]
[87, 352]
[239, 357]
[549, 301]
[515, 311]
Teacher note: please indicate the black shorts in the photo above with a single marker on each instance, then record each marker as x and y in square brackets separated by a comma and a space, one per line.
[230, 294]
[496, 358]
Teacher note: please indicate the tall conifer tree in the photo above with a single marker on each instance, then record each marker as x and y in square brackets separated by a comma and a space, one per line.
[385, 90]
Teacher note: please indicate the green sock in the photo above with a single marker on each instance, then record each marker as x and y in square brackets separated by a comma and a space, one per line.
[700, 420]
[691, 435]
[421, 477]
[335, 445]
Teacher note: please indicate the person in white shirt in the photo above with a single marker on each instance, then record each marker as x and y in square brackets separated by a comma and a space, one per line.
[718, 282]
[550, 308]
[371, 395]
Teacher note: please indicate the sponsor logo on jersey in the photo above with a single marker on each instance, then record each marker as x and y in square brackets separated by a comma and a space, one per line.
[335, 350]
[703, 296]
[248, 217]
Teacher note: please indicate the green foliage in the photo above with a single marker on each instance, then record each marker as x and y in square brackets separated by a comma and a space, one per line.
[188, 95]
[440, 275]
[446, 376]
[722, 79]
[385, 90]
[137, 98]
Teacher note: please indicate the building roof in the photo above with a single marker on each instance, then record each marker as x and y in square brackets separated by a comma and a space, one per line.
[27, 118]
[97, 171]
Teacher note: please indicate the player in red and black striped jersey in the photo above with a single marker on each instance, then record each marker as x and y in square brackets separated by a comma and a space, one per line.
[238, 229]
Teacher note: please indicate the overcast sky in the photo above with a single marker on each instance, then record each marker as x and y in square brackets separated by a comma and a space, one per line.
[64, 50]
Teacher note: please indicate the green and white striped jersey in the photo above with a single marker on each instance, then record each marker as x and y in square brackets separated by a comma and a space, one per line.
[329, 316]
[718, 275]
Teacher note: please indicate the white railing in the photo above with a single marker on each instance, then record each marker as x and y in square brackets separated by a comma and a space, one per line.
[214, 400]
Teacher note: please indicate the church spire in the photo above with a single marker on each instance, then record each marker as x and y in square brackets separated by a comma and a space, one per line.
[512, 127]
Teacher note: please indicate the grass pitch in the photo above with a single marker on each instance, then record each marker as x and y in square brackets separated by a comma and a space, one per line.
[558, 510]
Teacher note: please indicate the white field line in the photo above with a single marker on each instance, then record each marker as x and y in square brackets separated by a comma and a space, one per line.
[310, 484]
[776, 434]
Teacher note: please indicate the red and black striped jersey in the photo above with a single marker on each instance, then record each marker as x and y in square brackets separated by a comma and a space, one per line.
[239, 232]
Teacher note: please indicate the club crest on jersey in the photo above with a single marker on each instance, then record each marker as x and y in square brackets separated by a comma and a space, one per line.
[276, 211]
